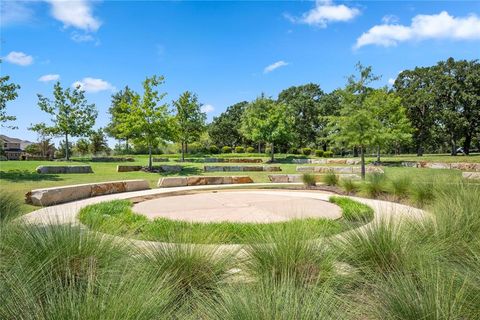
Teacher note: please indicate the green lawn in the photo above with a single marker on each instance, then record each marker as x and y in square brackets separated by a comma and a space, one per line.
[19, 176]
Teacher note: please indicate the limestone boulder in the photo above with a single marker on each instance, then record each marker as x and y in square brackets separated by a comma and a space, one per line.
[278, 178]
[196, 181]
[63, 169]
[167, 182]
[170, 168]
[123, 168]
[241, 179]
[471, 175]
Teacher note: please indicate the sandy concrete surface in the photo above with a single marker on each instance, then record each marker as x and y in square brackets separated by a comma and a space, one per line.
[238, 206]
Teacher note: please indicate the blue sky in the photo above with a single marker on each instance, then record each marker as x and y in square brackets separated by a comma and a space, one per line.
[225, 52]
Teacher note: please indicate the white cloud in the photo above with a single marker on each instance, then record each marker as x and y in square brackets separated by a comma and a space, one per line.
[326, 11]
[93, 85]
[20, 58]
[390, 18]
[77, 37]
[391, 81]
[438, 26]
[77, 14]
[274, 66]
[14, 12]
[207, 108]
[49, 77]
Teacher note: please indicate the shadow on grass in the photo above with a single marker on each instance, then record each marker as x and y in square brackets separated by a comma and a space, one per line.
[25, 175]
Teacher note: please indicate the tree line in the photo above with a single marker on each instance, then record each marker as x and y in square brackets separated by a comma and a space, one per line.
[428, 109]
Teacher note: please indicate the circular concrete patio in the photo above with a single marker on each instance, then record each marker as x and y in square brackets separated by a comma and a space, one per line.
[238, 206]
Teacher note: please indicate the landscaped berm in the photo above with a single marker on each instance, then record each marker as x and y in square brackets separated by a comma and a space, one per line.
[239, 160]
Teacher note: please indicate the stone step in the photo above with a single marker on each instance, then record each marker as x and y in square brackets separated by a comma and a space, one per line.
[166, 182]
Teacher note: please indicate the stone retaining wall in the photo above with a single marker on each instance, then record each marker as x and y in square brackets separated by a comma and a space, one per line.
[471, 175]
[290, 178]
[160, 159]
[324, 169]
[163, 168]
[64, 169]
[225, 160]
[240, 168]
[112, 159]
[56, 195]
[463, 166]
[201, 180]
[326, 161]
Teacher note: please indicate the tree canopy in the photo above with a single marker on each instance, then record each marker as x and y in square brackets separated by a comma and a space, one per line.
[8, 92]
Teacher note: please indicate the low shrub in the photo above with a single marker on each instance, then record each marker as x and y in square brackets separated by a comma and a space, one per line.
[268, 150]
[239, 149]
[10, 206]
[309, 180]
[349, 186]
[226, 149]
[330, 178]
[307, 151]
[353, 210]
[293, 151]
[250, 150]
[328, 154]
[214, 150]
[319, 153]
[375, 185]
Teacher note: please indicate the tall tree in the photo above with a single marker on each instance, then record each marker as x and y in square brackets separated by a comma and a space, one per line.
[265, 120]
[225, 130]
[304, 103]
[120, 108]
[149, 118]
[368, 117]
[72, 116]
[189, 120]
[82, 146]
[8, 92]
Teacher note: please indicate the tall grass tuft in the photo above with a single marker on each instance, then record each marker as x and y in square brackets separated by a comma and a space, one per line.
[400, 186]
[10, 206]
[309, 180]
[330, 178]
[375, 185]
[288, 254]
[422, 193]
[349, 186]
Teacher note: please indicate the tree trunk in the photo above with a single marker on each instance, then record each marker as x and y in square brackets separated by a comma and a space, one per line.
[454, 147]
[259, 148]
[150, 157]
[378, 153]
[186, 147]
[419, 150]
[67, 154]
[272, 155]
[362, 155]
[126, 145]
[183, 151]
[467, 143]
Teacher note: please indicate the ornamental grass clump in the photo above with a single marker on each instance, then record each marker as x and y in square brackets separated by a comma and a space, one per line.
[375, 185]
[349, 186]
[10, 206]
[400, 186]
[330, 178]
[309, 180]
[422, 193]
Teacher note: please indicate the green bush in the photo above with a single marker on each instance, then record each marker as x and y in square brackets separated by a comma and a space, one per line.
[239, 149]
[268, 150]
[307, 151]
[293, 151]
[319, 153]
[309, 179]
[214, 150]
[250, 150]
[353, 210]
[330, 178]
[226, 149]
[328, 154]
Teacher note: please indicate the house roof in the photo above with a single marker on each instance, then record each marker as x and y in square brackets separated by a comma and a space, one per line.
[13, 140]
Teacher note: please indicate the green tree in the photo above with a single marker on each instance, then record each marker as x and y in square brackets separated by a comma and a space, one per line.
[82, 146]
[225, 130]
[149, 119]
[368, 117]
[72, 116]
[304, 102]
[265, 120]
[98, 142]
[8, 92]
[119, 110]
[189, 120]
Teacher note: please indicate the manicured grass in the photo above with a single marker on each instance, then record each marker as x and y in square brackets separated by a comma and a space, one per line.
[353, 210]
[19, 177]
[116, 217]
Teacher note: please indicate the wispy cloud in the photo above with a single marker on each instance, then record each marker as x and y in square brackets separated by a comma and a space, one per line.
[325, 12]
[49, 77]
[14, 12]
[274, 66]
[93, 85]
[423, 27]
[207, 108]
[391, 81]
[19, 58]
[77, 14]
